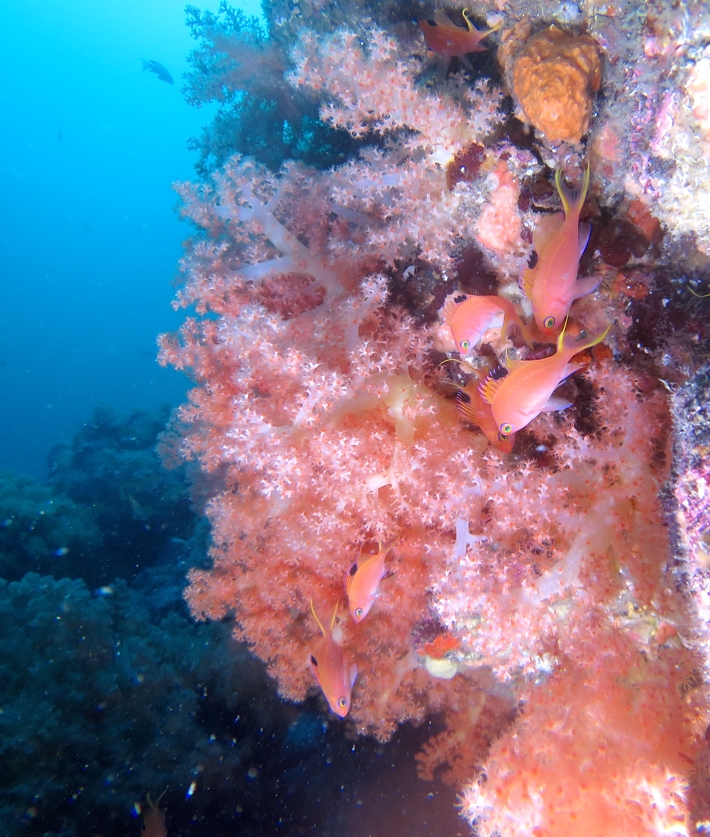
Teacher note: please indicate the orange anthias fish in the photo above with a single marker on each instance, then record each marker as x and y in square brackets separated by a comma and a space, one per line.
[444, 37]
[474, 408]
[526, 391]
[335, 677]
[363, 581]
[470, 317]
[559, 241]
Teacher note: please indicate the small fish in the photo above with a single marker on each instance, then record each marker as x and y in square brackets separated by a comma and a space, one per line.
[470, 317]
[559, 241]
[474, 408]
[527, 389]
[444, 37]
[363, 581]
[334, 675]
[158, 69]
[154, 818]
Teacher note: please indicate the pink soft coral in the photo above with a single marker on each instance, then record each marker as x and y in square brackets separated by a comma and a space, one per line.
[314, 417]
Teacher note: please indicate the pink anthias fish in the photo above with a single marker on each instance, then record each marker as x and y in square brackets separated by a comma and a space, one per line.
[334, 674]
[363, 581]
[470, 317]
[444, 37]
[559, 241]
[527, 390]
[474, 408]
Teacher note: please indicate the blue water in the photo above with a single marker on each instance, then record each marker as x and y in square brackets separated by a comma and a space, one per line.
[90, 241]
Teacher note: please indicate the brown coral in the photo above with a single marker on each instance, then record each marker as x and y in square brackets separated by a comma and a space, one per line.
[553, 77]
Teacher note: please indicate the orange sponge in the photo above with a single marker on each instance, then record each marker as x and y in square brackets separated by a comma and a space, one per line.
[553, 77]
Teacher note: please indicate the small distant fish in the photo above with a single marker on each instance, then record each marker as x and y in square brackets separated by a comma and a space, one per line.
[559, 241]
[527, 390]
[363, 581]
[444, 37]
[474, 408]
[470, 317]
[158, 69]
[154, 818]
[333, 673]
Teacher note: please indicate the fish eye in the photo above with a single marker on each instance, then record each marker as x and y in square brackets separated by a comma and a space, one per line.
[503, 437]
[358, 612]
[465, 344]
[548, 323]
[506, 429]
[342, 703]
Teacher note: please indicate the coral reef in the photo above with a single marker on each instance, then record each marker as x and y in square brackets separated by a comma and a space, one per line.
[554, 78]
[533, 599]
[42, 529]
[111, 472]
[101, 702]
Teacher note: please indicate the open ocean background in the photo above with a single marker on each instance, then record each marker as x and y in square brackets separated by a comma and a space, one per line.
[90, 241]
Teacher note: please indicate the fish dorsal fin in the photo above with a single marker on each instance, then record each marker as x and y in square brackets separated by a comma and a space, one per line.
[585, 231]
[511, 363]
[451, 306]
[527, 280]
[442, 19]
[465, 407]
[489, 388]
[546, 229]
[351, 575]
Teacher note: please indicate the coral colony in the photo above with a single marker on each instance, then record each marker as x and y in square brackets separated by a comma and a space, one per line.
[523, 588]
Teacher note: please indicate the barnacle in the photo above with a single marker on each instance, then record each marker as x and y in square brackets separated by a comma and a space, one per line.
[553, 77]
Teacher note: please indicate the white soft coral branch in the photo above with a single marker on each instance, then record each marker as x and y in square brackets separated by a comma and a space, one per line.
[371, 89]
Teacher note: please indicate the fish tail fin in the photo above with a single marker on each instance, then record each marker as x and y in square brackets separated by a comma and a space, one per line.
[572, 199]
[579, 344]
[561, 336]
[472, 28]
[318, 622]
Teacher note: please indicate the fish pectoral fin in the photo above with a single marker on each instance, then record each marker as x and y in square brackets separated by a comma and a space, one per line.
[353, 674]
[585, 230]
[516, 330]
[573, 367]
[584, 286]
[489, 388]
[546, 229]
[554, 403]
[526, 282]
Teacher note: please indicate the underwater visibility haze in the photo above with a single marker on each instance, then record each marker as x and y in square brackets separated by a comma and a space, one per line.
[355, 423]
